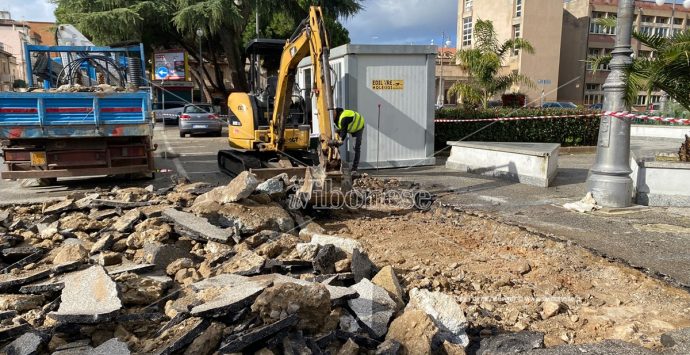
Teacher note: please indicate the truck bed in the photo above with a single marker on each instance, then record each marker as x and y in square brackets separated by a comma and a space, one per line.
[79, 114]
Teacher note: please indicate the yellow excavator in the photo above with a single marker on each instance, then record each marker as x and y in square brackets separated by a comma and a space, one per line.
[268, 147]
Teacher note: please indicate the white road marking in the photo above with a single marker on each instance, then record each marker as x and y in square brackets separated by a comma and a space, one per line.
[176, 161]
[197, 154]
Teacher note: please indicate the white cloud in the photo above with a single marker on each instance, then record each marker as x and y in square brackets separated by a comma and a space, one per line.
[403, 21]
[30, 10]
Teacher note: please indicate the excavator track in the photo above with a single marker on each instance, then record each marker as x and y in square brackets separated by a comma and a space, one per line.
[233, 162]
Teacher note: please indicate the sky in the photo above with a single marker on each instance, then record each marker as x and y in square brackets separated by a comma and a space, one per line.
[381, 21]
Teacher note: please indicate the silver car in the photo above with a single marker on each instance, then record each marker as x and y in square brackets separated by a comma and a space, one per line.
[200, 118]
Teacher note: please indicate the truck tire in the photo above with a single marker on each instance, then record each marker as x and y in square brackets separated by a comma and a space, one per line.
[182, 134]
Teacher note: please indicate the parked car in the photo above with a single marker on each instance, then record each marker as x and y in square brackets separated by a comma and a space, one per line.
[598, 106]
[168, 114]
[198, 119]
[558, 104]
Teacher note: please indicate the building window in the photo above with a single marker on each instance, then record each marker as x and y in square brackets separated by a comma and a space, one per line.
[468, 4]
[516, 34]
[662, 20]
[678, 21]
[591, 99]
[596, 52]
[641, 100]
[646, 30]
[518, 8]
[467, 31]
[596, 28]
[661, 31]
[654, 99]
[648, 19]
[644, 54]
[593, 87]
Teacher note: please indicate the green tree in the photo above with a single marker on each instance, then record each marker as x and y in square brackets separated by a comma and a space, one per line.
[668, 69]
[173, 23]
[483, 64]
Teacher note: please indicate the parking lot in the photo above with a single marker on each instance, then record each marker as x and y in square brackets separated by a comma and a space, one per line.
[191, 157]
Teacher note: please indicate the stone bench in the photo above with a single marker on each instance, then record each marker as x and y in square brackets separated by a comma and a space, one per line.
[660, 183]
[528, 163]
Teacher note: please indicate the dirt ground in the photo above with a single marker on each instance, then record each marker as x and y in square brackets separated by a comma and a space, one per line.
[508, 279]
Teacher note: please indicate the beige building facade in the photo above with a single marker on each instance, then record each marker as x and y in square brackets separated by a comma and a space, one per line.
[8, 69]
[564, 34]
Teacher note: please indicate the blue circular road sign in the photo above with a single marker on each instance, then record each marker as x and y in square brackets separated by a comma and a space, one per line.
[162, 72]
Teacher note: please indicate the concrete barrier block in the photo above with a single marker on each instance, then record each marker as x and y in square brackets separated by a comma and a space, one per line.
[528, 163]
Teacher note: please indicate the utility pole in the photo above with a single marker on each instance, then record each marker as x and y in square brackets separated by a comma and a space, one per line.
[610, 181]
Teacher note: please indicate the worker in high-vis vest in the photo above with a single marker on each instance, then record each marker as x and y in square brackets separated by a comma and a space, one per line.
[348, 121]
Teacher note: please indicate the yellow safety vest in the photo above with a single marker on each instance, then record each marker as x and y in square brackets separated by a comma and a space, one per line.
[357, 123]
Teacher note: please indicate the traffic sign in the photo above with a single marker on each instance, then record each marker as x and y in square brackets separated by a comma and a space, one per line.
[162, 72]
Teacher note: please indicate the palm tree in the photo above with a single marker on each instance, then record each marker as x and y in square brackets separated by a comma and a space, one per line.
[668, 70]
[483, 64]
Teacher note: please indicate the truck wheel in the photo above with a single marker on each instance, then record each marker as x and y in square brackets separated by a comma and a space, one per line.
[182, 134]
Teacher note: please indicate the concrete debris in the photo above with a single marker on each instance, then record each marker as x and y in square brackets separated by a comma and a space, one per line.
[89, 296]
[20, 303]
[349, 348]
[361, 265]
[59, 207]
[306, 251]
[208, 341]
[111, 347]
[587, 204]
[228, 299]
[444, 311]
[311, 303]
[389, 347]
[127, 221]
[374, 307]
[13, 331]
[242, 340]
[273, 186]
[345, 244]
[239, 188]
[197, 227]
[415, 331]
[9, 281]
[325, 259]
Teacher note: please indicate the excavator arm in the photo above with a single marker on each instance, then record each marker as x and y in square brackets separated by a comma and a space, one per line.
[310, 39]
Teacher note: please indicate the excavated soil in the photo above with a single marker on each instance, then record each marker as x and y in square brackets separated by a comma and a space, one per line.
[508, 279]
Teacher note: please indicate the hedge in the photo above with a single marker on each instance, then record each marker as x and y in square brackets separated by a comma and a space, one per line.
[581, 131]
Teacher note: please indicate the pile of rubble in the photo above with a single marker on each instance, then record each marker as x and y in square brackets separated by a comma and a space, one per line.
[193, 269]
[104, 88]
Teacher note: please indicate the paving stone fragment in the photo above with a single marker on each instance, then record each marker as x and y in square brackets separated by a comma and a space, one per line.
[197, 227]
[7, 314]
[100, 215]
[127, 221]
[240, 187]
[111, 347]
[29, 343]
[89, 296]
[273, 186]
[59, 207]
[244, 263]
[161, 255]
[240, 341]
[229, 299]
[9, 281]
[511, 343]
[189, 329]
[65, 267]
[374, 307]
[307, 251]
[324, 261]
[71, 250]
[444, 311]
[52, 284]
[104, 243]
[109, 258]
[345, 244]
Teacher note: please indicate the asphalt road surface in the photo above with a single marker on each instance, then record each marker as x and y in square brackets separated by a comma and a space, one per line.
[191, 157]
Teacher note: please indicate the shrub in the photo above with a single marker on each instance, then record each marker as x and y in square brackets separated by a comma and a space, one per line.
[566, 131]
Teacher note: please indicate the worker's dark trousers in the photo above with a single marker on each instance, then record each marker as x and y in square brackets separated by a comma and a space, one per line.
[357, 136]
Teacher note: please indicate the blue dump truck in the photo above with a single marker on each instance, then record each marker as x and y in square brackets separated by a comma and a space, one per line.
[66, 129]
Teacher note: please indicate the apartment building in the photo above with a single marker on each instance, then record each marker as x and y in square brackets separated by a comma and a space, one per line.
[564, 34]
[538, 21]
[8, 67]
[14, 34]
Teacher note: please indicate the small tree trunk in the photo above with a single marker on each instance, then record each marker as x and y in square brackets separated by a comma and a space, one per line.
[230, 41]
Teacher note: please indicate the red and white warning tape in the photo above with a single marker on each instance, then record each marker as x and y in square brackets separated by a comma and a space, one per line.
[627, 115]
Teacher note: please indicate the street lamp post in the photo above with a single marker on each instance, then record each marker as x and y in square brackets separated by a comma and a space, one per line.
[610, 181]
[199, 34]
[441, 86]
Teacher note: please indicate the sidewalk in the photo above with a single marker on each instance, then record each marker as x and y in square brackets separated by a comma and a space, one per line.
[656, 239]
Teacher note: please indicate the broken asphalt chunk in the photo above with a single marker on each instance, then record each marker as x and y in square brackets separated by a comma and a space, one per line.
[29, 343]
[247, 338]
[59, 207]
[129, 267]
[230, 299]
[118, 204]
[111, 347]
[186, 332]
[8, 281]
[197, 227]
[89, 296]
[11, 332]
